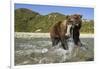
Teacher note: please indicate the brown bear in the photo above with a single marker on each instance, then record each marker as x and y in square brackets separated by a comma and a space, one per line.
[62, 30]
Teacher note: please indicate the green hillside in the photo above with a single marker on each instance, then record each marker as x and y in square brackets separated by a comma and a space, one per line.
[29, 21]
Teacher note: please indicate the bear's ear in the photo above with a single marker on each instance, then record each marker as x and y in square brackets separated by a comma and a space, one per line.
[67, 16]
[80, 16]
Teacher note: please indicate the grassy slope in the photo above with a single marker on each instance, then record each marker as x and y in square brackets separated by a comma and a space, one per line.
[29, 21]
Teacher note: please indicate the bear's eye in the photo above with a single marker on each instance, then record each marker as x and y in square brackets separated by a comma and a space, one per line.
[70, 22]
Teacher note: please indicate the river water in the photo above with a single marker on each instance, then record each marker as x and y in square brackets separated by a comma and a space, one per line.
[40, 51]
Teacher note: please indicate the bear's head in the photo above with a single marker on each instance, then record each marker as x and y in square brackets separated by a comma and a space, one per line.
[75, 20]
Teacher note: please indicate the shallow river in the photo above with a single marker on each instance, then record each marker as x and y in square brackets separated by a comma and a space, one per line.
[39, 51]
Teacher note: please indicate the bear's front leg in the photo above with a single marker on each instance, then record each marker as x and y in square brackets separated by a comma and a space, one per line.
[55, 41]
[64, 44]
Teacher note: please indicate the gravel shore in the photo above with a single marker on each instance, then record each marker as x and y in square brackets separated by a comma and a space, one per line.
[43, 35]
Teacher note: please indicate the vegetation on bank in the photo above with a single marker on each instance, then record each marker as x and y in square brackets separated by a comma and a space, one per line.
[29, 21]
